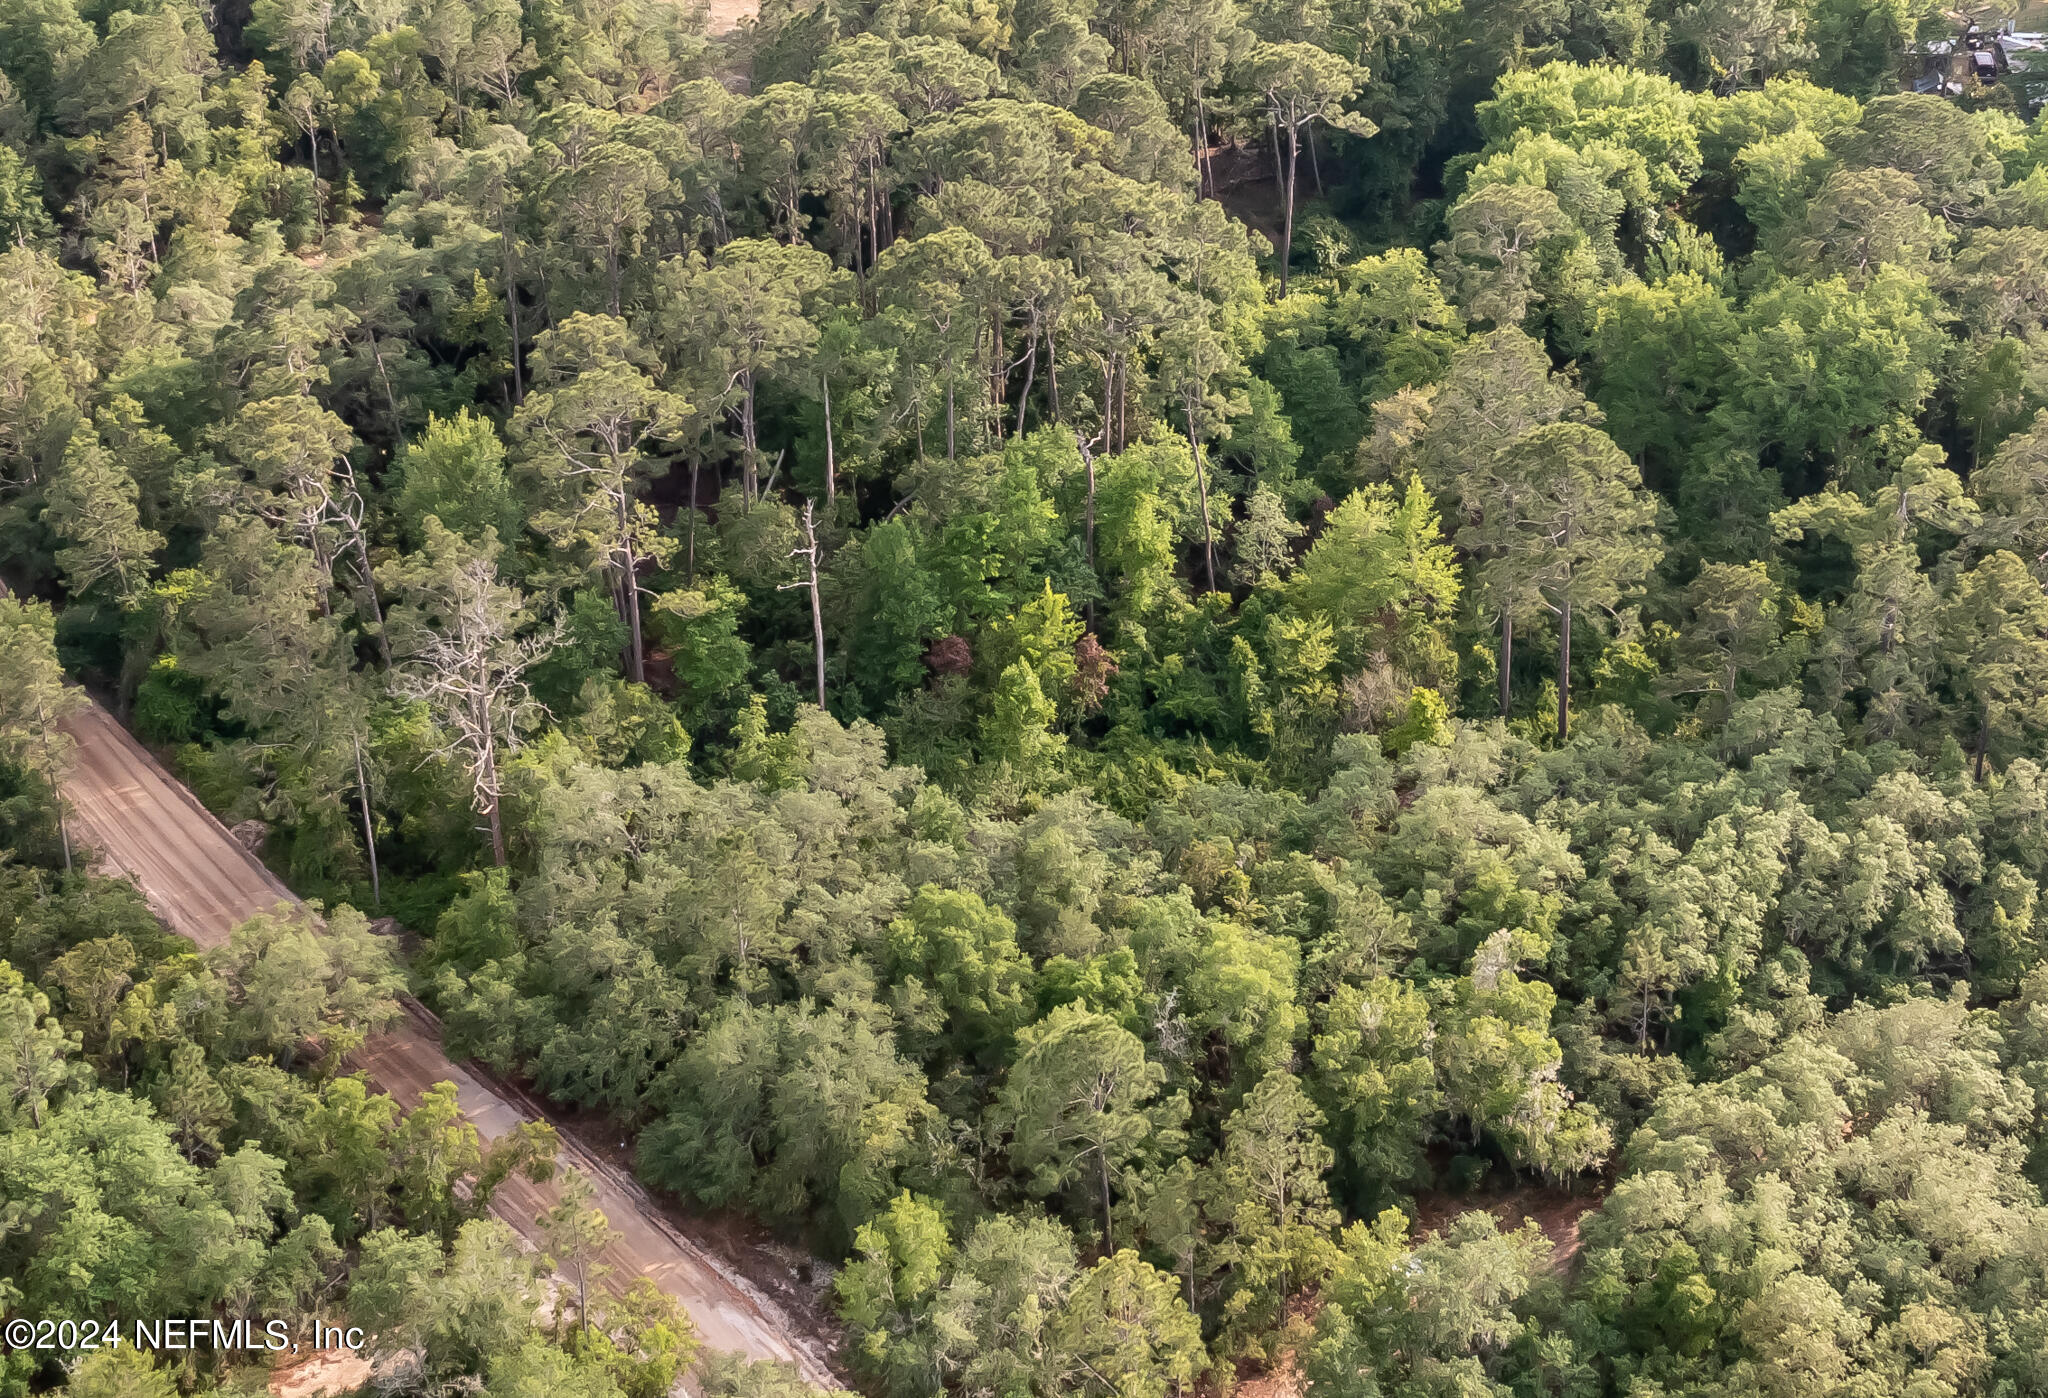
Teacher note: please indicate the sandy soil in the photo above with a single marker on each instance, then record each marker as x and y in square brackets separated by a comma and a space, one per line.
[1555, 1211]
[1283, 1380]
[202, 883]
[148, 826]
[329, 1371]
[727, 14]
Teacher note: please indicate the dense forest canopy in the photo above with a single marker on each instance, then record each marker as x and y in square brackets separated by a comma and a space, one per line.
[1093, 656]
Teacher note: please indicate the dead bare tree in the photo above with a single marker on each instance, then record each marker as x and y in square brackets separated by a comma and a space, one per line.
[808, 552]
[464, 642]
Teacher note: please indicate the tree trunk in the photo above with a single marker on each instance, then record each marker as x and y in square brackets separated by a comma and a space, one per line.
[64, 834]
[370, 591]
[718, 217]
[817, 613]
[1286, 1272]
[390, 395]
[490, 775]
[690, 533]
[1052, 373]
[874, 218]
[1030, 373]
[817, 636]
[751, 482]
[998, 378]
[1983, 741]
[369, 830]
[1202, 491]
[1088, 528]
[949, 418]
[1287, 229]
[1108, 1230]
[1507, 652]
[629, 594]
[1123, 402]
[1109, 391]
[325, 567]
[313, 150]
[512, 314]
[831, 466]
[1564, 671]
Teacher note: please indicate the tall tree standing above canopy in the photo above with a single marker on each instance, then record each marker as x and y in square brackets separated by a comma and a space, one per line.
[283, 668]
[295, 457]
[489, 181]
[1080, 1089]
[1743, 42]
[771, 135]
[1198, 368]
[1499, 234]
[1880, 642]
[1198, 41]
[930, 291]
[2013, 489]
[850, 132]
[1274, 1190]
[1498, 388]
[1302, 85]
[603, 204]
[751, 313]
[1567, 520]
[592, 411]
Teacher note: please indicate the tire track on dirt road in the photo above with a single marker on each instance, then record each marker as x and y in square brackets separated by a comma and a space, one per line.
[202, 883]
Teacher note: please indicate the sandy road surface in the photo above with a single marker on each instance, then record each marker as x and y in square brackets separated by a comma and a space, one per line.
[201, 882]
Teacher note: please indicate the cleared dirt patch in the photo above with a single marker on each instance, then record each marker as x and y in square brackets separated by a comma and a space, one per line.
[322, 1375]
[1557, 1213]
[727, 14]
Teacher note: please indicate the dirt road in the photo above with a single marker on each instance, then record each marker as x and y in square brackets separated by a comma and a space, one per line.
[202, 883]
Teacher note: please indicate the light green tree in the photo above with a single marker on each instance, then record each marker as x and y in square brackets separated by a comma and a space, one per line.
[747, 318]
[33, 1048]
[455, 471]
[1301, 86]
[1079, 1104]
[1124, 1332]
[34, 701]
[576, 1233]
[1567, 525]
[1994, 635]
[586, 425]
[92, 505]
[1273, 1196]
